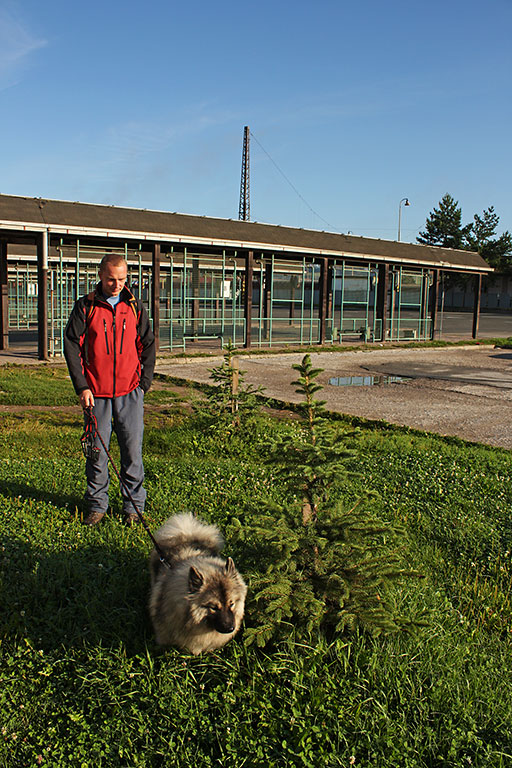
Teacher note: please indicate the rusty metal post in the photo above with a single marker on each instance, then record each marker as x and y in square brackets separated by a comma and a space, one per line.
[435, 299]
[4, 297]
[42, 295]
[249, 267]
[382, 297]
[476, 305]
[267, 299]
[323, 297]
[155, 294]
[293, 288]
[195, 296]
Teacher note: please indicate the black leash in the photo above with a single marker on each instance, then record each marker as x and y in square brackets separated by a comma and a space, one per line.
[91, 452]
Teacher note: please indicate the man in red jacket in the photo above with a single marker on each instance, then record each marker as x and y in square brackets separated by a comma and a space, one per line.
[110, 351]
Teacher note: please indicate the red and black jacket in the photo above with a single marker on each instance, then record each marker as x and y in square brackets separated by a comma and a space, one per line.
[109, 351]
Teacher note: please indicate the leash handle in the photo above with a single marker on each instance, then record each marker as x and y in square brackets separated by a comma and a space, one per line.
[90, 433]
[89, 449]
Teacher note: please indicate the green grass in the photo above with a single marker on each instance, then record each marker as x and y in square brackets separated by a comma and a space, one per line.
[161, 397]
[35, 385]
[82, 682]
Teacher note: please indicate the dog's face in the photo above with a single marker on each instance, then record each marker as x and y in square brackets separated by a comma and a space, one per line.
[218, 600]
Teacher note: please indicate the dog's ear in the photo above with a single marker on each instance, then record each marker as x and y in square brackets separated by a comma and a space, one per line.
[195, 580]
[230, 567]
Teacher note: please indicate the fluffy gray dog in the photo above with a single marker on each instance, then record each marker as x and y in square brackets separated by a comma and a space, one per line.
[197, 604]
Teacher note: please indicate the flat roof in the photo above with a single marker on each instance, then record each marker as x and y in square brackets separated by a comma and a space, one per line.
[35, 214]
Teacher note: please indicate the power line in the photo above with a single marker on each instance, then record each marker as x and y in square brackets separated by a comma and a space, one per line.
[285, 177]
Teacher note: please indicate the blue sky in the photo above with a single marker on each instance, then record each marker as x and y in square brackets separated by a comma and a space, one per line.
[358, 105]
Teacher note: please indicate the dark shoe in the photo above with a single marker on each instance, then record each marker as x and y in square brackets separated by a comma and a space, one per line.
[131, 518]
[93, 518]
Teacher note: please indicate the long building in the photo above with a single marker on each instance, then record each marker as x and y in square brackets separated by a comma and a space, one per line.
[209, 280]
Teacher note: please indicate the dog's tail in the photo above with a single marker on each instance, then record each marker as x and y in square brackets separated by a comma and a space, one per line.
[186, 531]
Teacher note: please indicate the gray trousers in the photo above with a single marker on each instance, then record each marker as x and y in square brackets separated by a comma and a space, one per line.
[126, 416]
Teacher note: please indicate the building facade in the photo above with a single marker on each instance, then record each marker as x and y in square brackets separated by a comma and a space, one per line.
[213, 280]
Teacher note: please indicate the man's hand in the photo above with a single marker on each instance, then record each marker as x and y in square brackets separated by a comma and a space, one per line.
[86, 398]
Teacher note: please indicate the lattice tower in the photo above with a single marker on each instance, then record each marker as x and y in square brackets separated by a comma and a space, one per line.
[244, 208]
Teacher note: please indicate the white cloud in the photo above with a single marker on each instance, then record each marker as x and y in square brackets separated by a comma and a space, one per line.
[130, 140]
[17, 44]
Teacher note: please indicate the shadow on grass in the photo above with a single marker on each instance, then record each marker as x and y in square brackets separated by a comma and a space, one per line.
[14, 489]
[94, 594]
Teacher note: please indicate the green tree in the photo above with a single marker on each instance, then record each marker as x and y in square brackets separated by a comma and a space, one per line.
[497, 251]
[444, 226]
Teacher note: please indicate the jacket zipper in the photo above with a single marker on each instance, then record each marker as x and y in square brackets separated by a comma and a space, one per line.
[106, 336]
[114, 344]
[122, 337]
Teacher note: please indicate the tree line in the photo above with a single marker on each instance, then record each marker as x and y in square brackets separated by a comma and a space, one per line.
[444, 228]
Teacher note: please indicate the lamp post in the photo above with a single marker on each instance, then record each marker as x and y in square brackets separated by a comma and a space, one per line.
[405, 201]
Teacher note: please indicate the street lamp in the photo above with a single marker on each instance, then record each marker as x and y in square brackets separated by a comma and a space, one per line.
[405, 201]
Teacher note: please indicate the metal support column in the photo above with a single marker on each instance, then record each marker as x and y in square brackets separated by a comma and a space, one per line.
[77, 270]
[476, 305]
[382, 296]
[234, 299]
[155, 294]
[324, 297]
[249, 266]
[42, 295]
[267, 299]
[195, 297]
[434, 299]
[293, 288]
[4, 297]
[303, 298]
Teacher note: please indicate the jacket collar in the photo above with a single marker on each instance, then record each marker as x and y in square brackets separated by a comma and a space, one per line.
[126, 295]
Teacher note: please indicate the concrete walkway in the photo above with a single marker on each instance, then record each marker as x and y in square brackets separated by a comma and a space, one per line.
[19, 356]
[458, 391]
[448, 372]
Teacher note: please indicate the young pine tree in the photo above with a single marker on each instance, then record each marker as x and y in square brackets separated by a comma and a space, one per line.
[231, 400]
[312, 461]
[315, 564]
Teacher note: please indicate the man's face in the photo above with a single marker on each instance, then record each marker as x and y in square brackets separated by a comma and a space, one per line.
[113, 279]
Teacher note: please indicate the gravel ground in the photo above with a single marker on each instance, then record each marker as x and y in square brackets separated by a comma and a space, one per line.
[458, 391]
